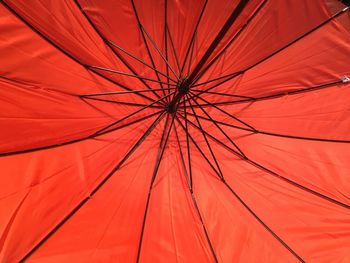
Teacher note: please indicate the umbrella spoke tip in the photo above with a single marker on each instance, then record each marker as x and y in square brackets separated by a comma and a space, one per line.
[345, 78]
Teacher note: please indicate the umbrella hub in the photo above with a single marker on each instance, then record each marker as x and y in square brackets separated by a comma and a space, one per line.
[183, 86]
[182, 89]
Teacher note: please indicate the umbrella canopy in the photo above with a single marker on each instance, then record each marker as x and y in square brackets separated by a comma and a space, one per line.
[175, 131]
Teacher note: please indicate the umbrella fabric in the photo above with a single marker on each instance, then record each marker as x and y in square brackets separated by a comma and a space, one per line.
[174, 131]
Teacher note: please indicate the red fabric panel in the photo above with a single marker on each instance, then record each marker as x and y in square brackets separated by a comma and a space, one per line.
[52, 182]
[115, 211]
[283, 154]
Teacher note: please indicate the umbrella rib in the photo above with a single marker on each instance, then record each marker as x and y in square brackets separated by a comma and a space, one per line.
[229, 22]
[290, 43]
[223, 123]
[215, 79]
[191, 55]
[188, 146]
[193, 35]
[99, 33]
[86, 96]
[276, 134]
[98, 187]
[131, 114]
[80, 139]
[166, 38]
[228, 114]
[131, 75]
[221, 130]
[51, 42]
[200, 74]
[195, 203]
[141, 61]
[303, 138]
[206, 140]
[120, 92]
[159, 52]
[263, 224]
[123, 103]
[174, 50]
[224, 94]
[161, 150]
[277, 95]
[144, 39]
[183, 161]
[261, 167]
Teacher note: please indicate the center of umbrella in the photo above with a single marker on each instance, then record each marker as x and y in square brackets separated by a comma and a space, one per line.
[182, 89]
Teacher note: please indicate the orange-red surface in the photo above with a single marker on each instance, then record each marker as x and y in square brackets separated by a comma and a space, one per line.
[288, 200]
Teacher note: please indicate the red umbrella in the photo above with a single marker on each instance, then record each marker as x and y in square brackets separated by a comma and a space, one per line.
[175, 131]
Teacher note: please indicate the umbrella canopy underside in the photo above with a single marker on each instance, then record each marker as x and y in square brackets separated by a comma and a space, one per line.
[174, 131]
